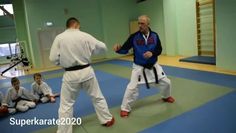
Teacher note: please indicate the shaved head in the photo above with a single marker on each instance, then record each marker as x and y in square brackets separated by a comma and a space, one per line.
[72, 22]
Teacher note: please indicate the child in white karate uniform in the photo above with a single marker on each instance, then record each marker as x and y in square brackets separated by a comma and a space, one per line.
[41, 90]
[18, 98]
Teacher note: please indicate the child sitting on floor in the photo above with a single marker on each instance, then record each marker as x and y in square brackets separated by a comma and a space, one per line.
[18, 98]
[41, 90]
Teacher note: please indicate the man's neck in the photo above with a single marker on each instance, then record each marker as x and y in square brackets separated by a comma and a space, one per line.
[146, 34]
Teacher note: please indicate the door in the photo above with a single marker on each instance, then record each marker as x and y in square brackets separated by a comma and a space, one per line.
[46, 38]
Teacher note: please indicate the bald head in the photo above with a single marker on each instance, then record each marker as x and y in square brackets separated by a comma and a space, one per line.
[143, 23]
[144, 18]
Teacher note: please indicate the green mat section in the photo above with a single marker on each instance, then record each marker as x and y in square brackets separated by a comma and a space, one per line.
[151, 110]
[120, 71]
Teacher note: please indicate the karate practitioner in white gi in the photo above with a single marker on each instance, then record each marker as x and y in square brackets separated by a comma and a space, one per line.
[18, 98]
[146, 47]
[72, 50]
[41, 90]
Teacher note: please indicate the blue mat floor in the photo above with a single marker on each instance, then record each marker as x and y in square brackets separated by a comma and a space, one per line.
[113, 88]
[215, 117]
[205, 119]
[200, 59]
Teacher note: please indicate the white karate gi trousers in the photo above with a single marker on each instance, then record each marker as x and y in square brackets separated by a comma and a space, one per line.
[24, 105]
[137, 78]
[69, 93]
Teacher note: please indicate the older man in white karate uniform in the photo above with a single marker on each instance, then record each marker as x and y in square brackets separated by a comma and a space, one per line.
[72, 50]
[147, 47]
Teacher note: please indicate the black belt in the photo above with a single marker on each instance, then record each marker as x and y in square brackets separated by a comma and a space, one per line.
[77, 67]
[19, 99]
[145, 76]
[41, 95]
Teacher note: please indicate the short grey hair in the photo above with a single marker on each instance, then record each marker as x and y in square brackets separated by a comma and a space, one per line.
[145, 17]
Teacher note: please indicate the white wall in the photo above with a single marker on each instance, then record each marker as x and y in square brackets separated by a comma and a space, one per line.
[180, 27]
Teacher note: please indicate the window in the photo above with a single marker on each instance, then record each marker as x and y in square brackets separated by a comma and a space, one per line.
[5, 50]
[9, 49]
[15, 48]
[8, 7]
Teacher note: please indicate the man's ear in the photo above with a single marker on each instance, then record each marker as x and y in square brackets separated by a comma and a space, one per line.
[77, 26]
